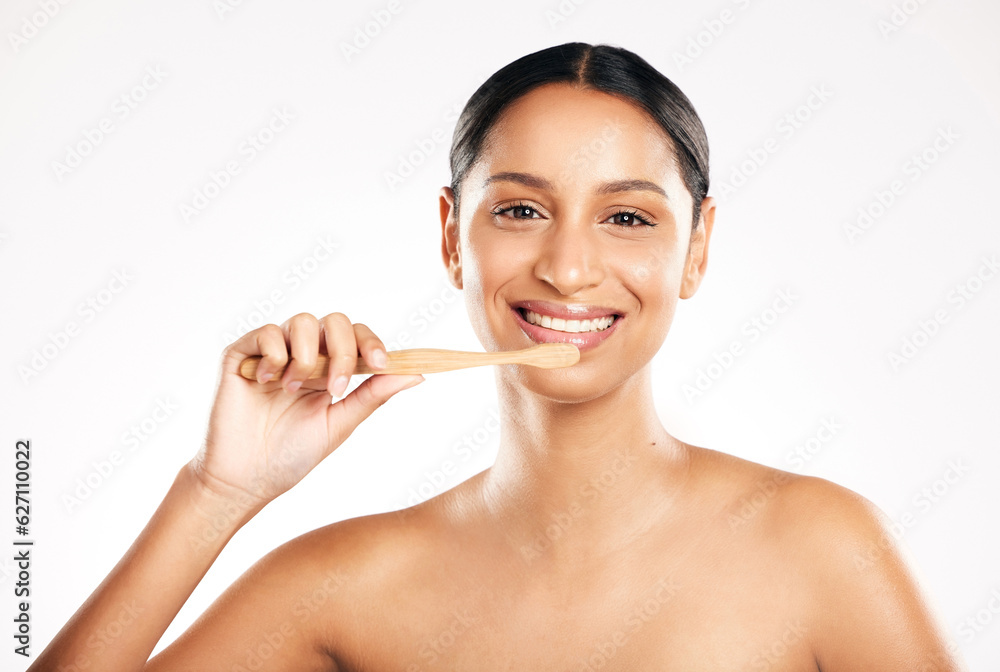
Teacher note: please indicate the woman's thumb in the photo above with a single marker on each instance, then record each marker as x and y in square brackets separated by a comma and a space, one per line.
[390, 384]
[369, 395]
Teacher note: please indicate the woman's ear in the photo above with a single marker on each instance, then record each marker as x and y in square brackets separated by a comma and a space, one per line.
[451, 251]
[697, 257]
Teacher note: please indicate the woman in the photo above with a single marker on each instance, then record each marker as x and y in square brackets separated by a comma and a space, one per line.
[578, 211]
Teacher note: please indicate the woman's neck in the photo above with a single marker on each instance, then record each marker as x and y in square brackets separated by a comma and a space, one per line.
[577, 472]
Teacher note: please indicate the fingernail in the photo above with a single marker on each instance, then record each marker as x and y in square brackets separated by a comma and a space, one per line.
[414, 383]
[294, 385]
[266, 377]
[339, 385]
[378, 358]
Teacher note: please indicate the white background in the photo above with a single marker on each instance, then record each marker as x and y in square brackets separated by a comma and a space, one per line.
[63, 235]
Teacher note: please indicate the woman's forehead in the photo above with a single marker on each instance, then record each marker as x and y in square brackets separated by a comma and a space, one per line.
[575, 148]
[569, 133]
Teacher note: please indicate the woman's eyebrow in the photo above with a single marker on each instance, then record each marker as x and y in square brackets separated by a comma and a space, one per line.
[631, 185]
[614, 187]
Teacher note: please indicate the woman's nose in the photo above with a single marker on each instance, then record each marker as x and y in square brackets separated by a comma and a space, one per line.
[570, 258]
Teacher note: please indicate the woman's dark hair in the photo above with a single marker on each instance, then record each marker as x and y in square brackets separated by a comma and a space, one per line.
[609, 69]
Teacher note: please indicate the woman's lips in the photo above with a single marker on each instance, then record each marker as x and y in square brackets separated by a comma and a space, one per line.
[582, 340]
[573, 311]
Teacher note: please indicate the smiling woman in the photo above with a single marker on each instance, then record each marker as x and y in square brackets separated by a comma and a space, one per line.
[597, 540]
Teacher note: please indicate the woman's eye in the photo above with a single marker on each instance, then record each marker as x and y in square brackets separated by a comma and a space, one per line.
[625, 218]
[517, 210]
[630, 219]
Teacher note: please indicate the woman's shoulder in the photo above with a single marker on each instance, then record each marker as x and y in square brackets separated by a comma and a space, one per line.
[363, 546]
[313, 591]
[834, 554]
[789, 506]
[837, 544]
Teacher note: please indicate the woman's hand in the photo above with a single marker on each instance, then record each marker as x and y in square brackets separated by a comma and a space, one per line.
[264, 436]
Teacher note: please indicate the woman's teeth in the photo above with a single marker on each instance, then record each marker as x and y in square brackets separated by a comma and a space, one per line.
[570, 326]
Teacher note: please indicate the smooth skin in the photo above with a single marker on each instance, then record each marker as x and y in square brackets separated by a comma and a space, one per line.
[596, 541]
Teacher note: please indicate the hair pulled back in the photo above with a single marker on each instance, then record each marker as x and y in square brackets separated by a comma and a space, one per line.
[603, 67]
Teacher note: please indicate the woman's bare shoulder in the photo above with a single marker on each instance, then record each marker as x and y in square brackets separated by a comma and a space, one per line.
[328, 584]
[816, 525]
[361, 548]
[764, 495]
[845, 552]
[304, 597]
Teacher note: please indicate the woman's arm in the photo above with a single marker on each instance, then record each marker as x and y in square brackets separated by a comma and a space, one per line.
[872, 611]
[263, 437]
[120, 623]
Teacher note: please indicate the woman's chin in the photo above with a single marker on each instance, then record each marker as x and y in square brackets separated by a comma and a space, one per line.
[572, 385]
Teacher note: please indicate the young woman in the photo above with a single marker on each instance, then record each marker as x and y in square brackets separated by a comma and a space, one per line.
[578, 211]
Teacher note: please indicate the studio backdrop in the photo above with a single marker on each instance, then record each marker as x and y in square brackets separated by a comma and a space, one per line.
[173, 175]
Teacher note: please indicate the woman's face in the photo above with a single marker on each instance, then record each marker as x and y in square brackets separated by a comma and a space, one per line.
[554, 214]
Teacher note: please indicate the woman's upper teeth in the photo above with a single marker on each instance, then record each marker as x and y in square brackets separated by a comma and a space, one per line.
[571, 326]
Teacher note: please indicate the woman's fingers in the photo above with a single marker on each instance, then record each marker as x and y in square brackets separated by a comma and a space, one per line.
[370, 346]
[253, 425]
[346, 415]
[342, 348]
[270, 344]
[302, 334]
[289, 353]
[267, 342]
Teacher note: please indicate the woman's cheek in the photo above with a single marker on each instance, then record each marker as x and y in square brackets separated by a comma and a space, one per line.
[647, 268]
[653, 276]
[482, 276]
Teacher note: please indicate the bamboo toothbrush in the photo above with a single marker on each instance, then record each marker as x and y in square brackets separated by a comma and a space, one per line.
[429, 360]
